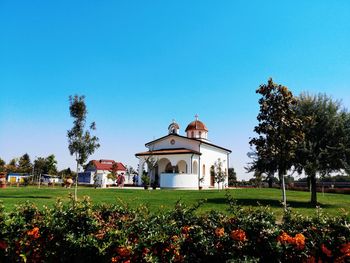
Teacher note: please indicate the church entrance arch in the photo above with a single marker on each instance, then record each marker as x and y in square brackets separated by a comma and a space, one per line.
[164, 166]
[182, 167]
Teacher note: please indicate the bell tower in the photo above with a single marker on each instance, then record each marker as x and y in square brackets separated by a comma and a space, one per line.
[173, 128]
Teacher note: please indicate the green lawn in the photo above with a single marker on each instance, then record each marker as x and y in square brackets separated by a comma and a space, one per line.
[165, 199]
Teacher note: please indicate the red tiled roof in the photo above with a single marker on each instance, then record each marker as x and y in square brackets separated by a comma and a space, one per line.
[196, 125]
[107, 165]
[168, 151]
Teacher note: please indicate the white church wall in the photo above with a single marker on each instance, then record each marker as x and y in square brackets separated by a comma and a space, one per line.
[209, 156]
[178, 143]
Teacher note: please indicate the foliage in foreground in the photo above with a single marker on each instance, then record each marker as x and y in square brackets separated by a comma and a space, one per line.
[81, 232]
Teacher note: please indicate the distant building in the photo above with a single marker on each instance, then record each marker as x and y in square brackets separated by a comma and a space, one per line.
[14, 178]
[97, 171]
[50, 179]
[184, 161]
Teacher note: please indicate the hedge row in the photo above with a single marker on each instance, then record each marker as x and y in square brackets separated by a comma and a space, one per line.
[81, 232]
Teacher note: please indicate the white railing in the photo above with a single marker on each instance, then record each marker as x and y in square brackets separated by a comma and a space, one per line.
[179, 180]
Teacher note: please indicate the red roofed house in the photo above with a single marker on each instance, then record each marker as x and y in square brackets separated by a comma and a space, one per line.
[96, 172]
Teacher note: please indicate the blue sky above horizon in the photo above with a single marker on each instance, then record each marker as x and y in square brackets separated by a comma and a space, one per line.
[141, 64]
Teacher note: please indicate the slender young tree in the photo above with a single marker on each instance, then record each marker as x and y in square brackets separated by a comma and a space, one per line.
[279, 130]
[81, 143]
[218, 172]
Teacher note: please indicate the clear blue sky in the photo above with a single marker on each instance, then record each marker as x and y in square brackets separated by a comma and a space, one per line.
[143, 63]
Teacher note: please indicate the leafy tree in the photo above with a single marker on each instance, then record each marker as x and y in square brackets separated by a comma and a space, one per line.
[232, 176]
[12, 166]
[267, 166]
[152, 163]
[40, 167]
[81, 143]
[218, 172]
[2, 165]
[322, 151]
[113, 174]
[24, 164]
[51, 163]
[279, 130]
[258, 178]
[66, 173]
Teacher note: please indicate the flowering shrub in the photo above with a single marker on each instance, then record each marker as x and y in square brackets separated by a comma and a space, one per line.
[81, 232]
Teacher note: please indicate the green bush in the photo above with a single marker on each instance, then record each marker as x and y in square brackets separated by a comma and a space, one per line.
[81, 232]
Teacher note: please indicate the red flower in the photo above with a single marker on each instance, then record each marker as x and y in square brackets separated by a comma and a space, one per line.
[326, 251]
[185, 230]
[34, 233]
[123, 251]
[3, 245]
[345, 249]
[238, 235]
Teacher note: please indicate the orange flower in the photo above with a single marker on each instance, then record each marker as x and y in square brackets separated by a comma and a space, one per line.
[285, 238]
[326, 251]
[299, 241]
[115, 259]
[238, 235]
[345, 249]
[123, 251]
[3, 245]
[220, 232]
[34, 233]
[174, 238]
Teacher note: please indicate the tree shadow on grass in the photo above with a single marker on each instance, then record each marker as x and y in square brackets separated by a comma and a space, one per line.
[24, 197]
[266, 202]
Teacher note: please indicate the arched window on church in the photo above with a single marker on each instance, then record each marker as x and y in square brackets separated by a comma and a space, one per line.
[200, 134]
[192, 134]
[203, 172]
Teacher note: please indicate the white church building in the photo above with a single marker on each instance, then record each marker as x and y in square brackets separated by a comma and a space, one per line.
[184, 162]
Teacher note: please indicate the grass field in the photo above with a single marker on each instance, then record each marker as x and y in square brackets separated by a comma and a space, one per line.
[332, 204]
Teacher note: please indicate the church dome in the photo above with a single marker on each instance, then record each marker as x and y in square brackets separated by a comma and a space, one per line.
[197, 130]
[196, 125]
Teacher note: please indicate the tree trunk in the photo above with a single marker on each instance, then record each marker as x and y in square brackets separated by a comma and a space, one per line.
[76, 184]
[283, 187]
[270, 180]
[313, 200]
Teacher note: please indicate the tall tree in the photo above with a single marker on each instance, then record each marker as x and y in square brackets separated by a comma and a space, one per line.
[24, 164]
[322, 150]
[81, 143]
[51, 163]
[232, 176]
[279, 129]
[40, 167]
